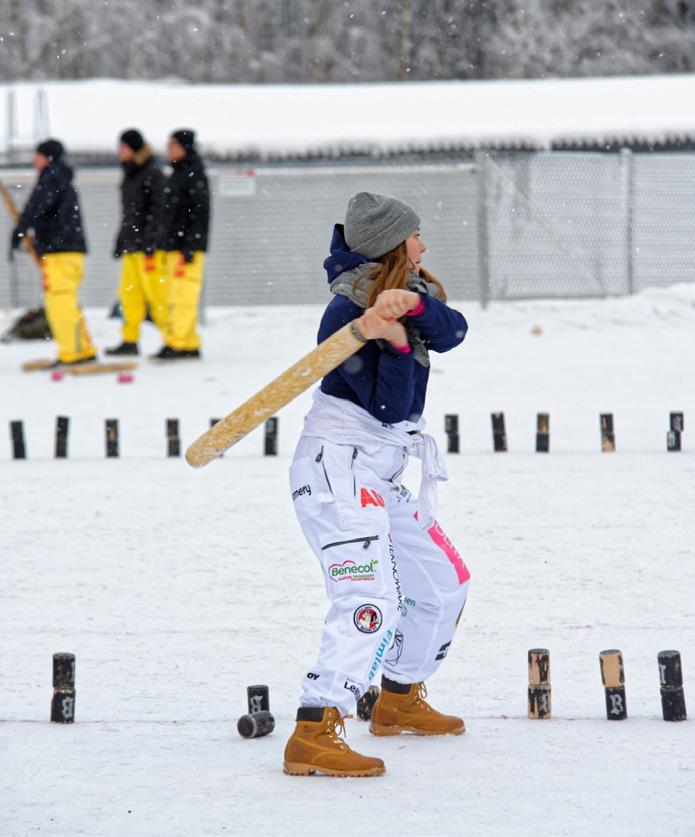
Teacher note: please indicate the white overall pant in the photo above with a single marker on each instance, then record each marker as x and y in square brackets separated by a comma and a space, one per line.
[396, 590]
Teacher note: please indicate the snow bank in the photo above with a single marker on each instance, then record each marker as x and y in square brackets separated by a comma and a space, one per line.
[330, 119]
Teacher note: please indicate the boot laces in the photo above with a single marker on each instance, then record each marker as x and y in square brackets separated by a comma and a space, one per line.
[420, 696]
[337, 730]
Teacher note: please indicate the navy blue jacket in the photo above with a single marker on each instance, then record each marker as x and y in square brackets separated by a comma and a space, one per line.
[142, 199]
[53, 212]
[186, 216]
[387, 383]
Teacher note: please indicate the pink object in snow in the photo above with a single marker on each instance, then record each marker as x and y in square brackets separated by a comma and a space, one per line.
[125, 378]
[57, 375]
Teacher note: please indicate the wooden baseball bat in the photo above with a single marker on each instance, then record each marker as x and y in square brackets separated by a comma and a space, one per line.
[286, 387]
[14, 214]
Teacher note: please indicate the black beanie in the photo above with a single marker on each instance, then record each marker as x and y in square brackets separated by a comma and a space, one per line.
[51, 148]
[185, 138]
[133, 139]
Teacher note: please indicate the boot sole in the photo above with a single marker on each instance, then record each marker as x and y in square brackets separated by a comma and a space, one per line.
[294, 769]
[397, 729]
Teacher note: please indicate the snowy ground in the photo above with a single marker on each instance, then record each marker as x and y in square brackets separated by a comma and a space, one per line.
[177, 588]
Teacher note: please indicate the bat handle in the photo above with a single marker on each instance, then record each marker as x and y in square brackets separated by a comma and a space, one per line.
[356, 333]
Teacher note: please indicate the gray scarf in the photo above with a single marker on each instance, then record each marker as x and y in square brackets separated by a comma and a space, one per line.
[355, 285]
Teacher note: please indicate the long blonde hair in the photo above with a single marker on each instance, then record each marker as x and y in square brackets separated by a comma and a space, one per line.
[393, 271]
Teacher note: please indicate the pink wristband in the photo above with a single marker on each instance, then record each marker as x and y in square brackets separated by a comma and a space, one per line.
[404, 349]
[419, 308]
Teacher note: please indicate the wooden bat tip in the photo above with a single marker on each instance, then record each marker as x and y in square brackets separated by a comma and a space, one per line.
[192, 459]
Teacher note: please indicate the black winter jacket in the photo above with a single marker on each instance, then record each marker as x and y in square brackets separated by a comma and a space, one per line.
[53, 212]
[142, 201]
[186, 207]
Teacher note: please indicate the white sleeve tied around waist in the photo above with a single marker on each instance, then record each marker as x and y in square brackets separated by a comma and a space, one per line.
[433, 471]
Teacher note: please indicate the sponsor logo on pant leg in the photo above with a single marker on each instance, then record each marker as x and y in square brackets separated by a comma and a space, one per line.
[311, 675]
[443, 651]
[367, 618]
[370, 497]
[351, 571]
[394, 569]
[351, 686]
[383, 645]
[299, 492]
[395, 650]
[442, 540]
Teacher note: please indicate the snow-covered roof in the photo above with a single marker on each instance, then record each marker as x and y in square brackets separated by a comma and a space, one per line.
[302, 120]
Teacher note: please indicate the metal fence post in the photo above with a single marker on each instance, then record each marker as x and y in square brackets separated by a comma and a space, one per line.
[483, 233]
[627, 162]
[14, 284]
[11, 124]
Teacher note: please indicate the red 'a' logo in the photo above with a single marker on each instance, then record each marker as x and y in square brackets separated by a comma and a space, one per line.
[370, 497]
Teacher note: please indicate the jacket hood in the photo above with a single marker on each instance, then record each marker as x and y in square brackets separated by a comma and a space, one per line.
[342, 257]
[59, 168]
[140, 159]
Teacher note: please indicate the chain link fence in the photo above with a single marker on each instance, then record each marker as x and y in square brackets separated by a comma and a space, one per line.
[587, 225]
[498, 226]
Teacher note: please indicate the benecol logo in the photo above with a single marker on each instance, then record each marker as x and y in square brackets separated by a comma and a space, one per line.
[350, 571]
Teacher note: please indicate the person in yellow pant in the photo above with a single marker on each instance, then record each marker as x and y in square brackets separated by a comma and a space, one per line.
[143, 285]
[53, 213]
[185, 284]
[143, 282]
[62, 275]
[185, 240]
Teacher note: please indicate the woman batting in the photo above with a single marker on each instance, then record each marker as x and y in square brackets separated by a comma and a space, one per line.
[395, 582]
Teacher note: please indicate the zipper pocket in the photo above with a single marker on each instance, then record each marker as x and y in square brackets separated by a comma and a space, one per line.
[319, 458]
[365, 541]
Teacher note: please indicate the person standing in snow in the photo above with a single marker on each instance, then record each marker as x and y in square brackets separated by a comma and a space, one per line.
[185, 240]
[53, 214]
[143, 282]
[396, 583]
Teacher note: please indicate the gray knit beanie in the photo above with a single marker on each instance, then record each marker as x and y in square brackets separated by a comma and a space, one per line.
[375, 224]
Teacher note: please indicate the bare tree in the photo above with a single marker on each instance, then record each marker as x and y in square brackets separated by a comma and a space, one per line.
[343, 40]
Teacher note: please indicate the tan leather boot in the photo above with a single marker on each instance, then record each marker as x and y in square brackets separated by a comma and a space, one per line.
[403, 708]
[316, 747]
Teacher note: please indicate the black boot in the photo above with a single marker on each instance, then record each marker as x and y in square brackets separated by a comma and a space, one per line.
[124, 349]
[58, 364]
[167, 353]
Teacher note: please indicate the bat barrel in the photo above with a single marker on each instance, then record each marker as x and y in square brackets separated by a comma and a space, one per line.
[265, 403]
